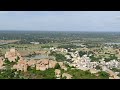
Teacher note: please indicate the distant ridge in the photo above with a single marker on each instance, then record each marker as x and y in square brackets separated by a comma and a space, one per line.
[52, 31]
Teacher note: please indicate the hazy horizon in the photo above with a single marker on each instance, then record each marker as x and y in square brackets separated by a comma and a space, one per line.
[88, 21]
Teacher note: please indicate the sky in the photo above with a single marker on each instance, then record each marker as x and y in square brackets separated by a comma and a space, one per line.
[60, 20]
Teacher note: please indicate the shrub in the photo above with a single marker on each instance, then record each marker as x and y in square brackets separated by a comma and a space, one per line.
[60, 57]
[57, 66]
[81, 53]
[46, 46]
[98, 67]
[115, 70]
[103, 74]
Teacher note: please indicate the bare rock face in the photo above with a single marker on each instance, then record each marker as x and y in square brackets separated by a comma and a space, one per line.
[57, 73]
[42, 64]
[111, 78]
[62, 66]
[68, 76]
[22, 61]
[31, 62]
[93, 71]
[45, 61]
[52, 63]
[40, 52]
[116, 77]
[1, 63]
[12, 55]
[41, 67]
[21, 65]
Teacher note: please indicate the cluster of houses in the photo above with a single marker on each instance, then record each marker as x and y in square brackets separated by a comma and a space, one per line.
[85, 63]
[58, 49]
[34, 42]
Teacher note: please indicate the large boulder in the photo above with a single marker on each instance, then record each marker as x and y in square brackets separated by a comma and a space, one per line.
[45, 61]
[57, 73]
[116, 77]
[31, 62]
[42, 64]
[52, 63]
[62, 66]
[93, 71]
[1, 63]
[22, 62]
[41, 67]
[12, 54]
[20, 67]
[111, 78]
[68, 76]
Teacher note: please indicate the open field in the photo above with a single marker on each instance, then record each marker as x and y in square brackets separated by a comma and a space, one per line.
[8, 41]
[93, 44]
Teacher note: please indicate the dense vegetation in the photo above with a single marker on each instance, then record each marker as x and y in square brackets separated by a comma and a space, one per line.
[64, 40]
[93, 58]
[58, 56]
[81, 53]
[51, 37]
[68, 46]
[49, 74]
[111, 57]
[79, 74]
[46, 46]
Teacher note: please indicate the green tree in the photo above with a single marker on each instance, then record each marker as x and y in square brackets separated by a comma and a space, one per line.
[104, 74]
[57, 66]
[81, 53]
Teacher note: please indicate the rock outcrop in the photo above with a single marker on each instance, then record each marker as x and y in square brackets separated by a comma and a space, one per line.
[93, 71]
[68, 76]
[12, 55]
[52, 63]
[21, 65]
[62, 66]
[42, 64]
[1, 63]
[57, 73]
[31, 62]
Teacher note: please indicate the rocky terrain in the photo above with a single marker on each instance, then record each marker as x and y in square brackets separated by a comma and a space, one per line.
[20, 64]
[80, 67]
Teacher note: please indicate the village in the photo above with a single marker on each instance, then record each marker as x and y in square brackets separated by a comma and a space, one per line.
[73, 59]
[84, 63]
[59, 45]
